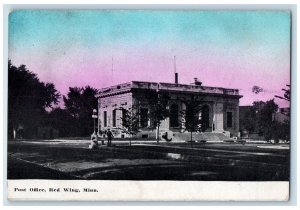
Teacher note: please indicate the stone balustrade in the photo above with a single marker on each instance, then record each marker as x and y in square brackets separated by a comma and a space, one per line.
[165, 86]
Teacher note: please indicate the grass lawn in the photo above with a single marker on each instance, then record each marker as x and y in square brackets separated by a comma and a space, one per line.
[214, 162]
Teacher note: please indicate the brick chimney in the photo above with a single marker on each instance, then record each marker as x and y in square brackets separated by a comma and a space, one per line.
[197, 82]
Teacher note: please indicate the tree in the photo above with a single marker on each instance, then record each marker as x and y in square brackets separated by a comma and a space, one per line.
[265, 117]
[62, 121]
[285, 126]
[248, 122]
[260, 118]
[190, 116]
[79, 103]
[256, 89]
[281, 130]
[158, 102]
[130, 122]
[28, 99]
[286, 95]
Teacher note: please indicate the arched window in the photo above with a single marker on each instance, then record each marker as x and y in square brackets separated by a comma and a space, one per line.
[144, 117]
[205, 117]
[114, 116]
[174, 115]
[105, 118]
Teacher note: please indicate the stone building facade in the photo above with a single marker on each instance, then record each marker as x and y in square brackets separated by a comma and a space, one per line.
[220, 106]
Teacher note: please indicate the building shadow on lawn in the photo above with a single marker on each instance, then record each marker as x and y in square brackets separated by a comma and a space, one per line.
[20, 169]
[181, 172]
[55, 154]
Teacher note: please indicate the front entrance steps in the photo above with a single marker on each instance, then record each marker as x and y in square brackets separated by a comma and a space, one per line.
[202, 137]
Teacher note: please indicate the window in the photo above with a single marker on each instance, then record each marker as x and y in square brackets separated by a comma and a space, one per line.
[205, 117]
[105, 118]
[229, 119]
[124, 112]
[174, 115]
[114, 118]
[144, 117]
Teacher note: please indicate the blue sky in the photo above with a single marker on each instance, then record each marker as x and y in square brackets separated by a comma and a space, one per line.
[235, 49]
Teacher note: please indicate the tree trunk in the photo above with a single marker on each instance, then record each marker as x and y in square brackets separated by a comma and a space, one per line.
[192, 139]
[157, 134]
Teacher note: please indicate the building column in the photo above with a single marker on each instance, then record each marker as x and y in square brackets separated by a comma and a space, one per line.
[183, 107]
[99, 118]
[219, 117]
[213, 122]
[237, 118]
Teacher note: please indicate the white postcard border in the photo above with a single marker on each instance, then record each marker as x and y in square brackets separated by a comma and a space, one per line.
[80, 190]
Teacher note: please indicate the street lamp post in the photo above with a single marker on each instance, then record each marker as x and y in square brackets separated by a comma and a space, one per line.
[94, 116]
[94, 139]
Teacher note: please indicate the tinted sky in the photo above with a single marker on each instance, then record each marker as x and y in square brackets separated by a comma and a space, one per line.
[226, 49]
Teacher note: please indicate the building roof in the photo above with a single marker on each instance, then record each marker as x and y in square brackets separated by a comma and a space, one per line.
[162, 86]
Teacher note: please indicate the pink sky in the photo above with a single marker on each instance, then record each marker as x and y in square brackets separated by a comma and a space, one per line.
[231, 50]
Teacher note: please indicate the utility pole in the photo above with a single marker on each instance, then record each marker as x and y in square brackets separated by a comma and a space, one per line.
[175, 64]
[175, 71]
[112, 70]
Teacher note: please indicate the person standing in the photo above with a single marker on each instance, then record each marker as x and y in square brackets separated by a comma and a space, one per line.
[109, 137]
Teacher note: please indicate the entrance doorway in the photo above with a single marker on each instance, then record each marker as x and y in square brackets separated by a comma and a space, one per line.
[205, 118]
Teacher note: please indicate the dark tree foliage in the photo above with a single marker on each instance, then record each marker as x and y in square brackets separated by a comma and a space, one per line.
[28, 99]
[158, 102]
[256, 89]
[79, 104]
[62, 121]
[248, 123]
[265, 117]
[284, 128]
[286, 94]
[281, 130]
[191, 121]
[73, 101]
[260, 119]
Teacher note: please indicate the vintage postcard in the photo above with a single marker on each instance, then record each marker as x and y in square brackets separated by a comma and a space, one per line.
[149, 105]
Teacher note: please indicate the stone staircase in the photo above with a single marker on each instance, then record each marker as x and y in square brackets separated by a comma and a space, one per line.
[202, 137]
